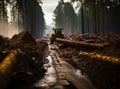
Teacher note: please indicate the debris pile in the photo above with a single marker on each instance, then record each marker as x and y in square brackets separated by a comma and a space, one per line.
[4, 42]
[29, 58]
[102, 66]
[89, 38]
[23, 37]
[114, 40]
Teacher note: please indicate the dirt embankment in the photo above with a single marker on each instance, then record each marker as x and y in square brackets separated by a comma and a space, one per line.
[29, 58]
[102, 66]
[4, 42]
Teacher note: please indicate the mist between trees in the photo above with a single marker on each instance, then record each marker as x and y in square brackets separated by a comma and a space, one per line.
[99, 17]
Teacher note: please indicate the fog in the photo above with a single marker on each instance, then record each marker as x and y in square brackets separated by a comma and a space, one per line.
[7, 29]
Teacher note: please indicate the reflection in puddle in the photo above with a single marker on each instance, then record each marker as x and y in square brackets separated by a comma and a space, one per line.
[80, 74]
[50, 76]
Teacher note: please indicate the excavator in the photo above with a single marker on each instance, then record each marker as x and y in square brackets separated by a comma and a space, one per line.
[57, 33]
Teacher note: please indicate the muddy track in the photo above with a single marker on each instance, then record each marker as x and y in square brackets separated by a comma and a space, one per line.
[62, 75]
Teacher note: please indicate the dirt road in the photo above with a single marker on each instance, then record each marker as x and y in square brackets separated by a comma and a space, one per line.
[62, 75]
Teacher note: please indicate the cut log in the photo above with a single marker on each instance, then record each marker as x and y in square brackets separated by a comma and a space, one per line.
[82, 44]
[100, 56]
[6, 69]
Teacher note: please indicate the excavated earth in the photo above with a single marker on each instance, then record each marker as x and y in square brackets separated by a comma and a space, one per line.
[101, 66]
[4, 42]
[29, 59]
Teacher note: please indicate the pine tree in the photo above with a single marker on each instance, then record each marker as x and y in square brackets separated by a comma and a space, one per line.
[65, 17]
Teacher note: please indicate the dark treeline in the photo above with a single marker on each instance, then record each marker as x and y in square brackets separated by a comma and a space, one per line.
[3, 13]
[64, 16]
[95, 16]
[105, 16]
[26, 14]
[100, 17]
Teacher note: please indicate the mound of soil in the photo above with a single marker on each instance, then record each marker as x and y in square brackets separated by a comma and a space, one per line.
[23, 37]
[29, 58]
[4, 43]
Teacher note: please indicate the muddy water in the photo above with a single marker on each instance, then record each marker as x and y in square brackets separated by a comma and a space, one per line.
[60, 75]
[50, 76]
[50, 79]
[56, 66]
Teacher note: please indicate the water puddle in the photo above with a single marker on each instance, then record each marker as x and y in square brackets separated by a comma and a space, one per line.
[50, 76]
[55, 77]
[79, 73]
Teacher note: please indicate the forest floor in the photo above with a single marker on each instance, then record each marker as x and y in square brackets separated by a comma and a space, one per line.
[30, 55]
[101, 66]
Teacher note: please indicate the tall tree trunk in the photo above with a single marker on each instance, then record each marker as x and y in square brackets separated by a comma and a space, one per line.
[82, 18]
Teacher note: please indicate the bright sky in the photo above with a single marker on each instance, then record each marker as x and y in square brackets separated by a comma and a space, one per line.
[48, 8]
